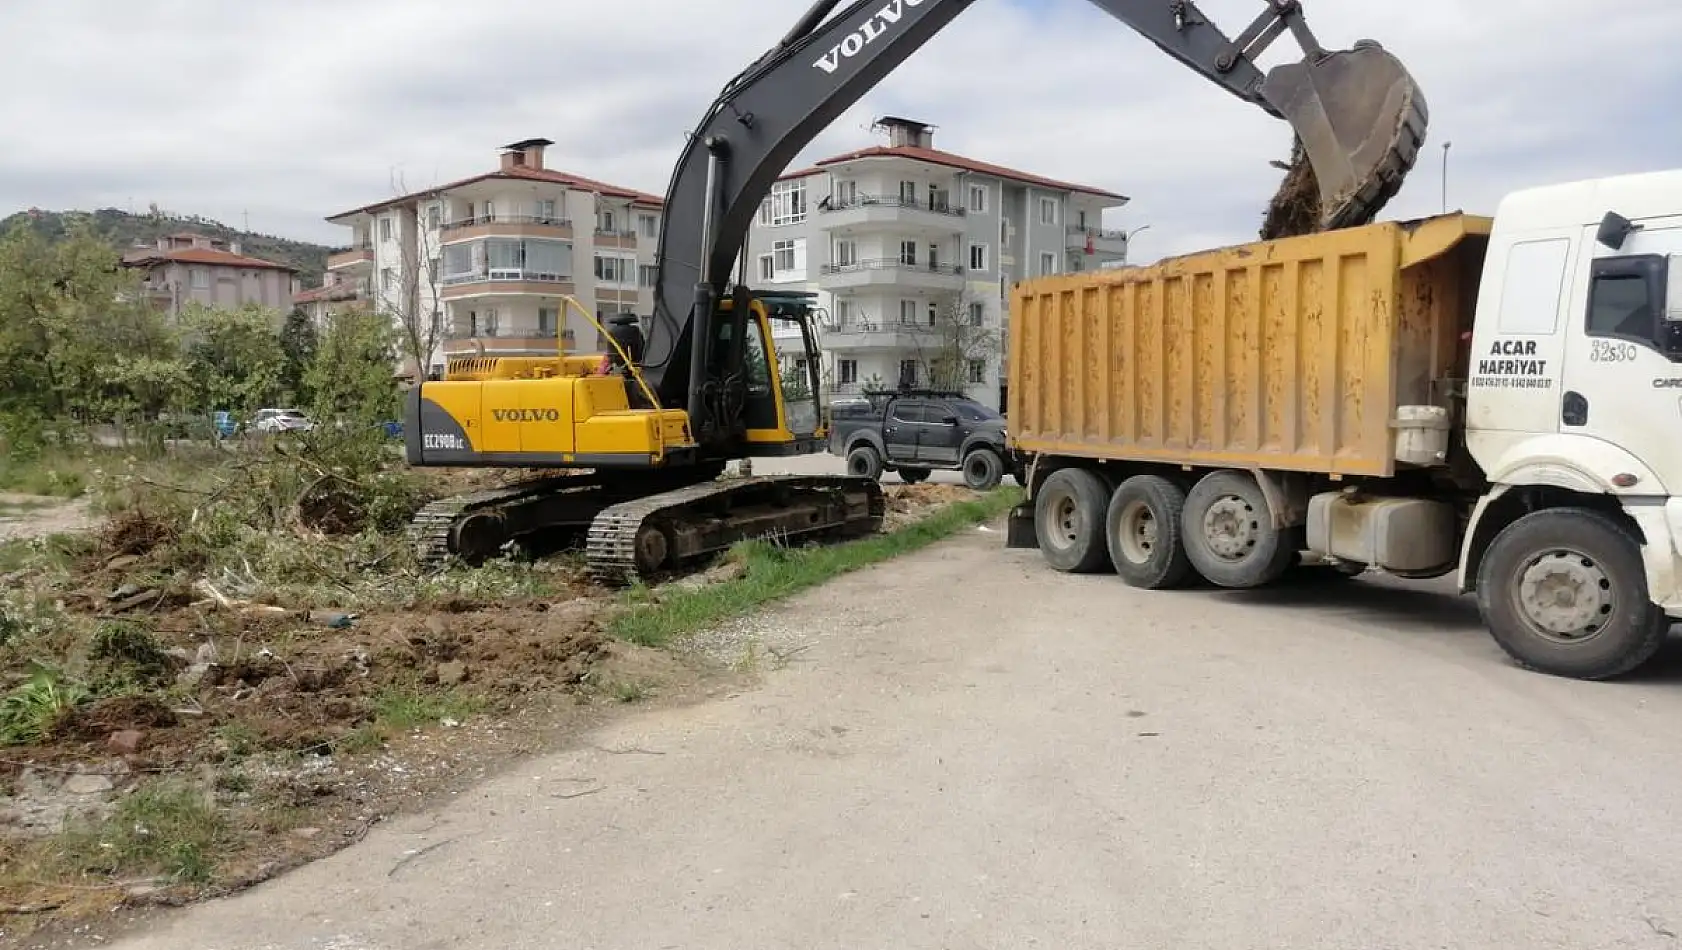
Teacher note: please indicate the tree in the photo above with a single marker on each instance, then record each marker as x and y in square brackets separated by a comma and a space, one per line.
[958, 337]
[412, 300]
[234, 357]
[297, 346]
[350, 378]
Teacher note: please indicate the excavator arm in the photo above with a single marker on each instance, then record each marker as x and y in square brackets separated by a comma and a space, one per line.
[1356, 114]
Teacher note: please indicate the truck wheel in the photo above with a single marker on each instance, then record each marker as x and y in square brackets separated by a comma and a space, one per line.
[983, 469]
[912, 476]
[1564, 592]
[1069, 521]
[1142, 532]
[865, 460]
[1229, 533]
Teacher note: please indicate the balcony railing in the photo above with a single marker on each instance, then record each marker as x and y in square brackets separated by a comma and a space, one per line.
[613, 233]
[499, 274]
[893, 263]
[891, 201]
[498, 333]
[1102, 234]
[545, 219]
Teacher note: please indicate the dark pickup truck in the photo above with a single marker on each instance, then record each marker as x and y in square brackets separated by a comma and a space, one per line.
[914, 432]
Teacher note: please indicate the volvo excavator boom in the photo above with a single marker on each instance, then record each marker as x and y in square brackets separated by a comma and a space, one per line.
[1356, 113]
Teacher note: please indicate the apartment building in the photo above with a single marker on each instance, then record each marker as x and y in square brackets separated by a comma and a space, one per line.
[912, 251]
[187, 268]
[486, 262]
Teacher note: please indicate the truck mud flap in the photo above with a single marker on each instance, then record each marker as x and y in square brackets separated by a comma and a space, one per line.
[1019, 528]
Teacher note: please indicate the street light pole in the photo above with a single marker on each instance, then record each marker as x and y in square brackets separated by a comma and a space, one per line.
[1445, 176]
[1127, 242]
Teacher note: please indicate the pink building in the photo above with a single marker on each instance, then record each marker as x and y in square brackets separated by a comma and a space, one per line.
[188, 267]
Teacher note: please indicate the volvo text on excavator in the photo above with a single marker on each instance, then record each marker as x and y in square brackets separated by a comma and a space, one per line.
[639, 449]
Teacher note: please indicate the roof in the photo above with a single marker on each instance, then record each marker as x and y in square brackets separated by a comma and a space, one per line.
[952, 160]
[327, 292]
[518, 172]
[205, 255]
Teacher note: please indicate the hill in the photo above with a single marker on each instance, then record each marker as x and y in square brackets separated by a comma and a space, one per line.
[124, 230]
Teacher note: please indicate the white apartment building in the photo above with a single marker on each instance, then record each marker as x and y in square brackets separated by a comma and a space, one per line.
[912, 252]
[487, 259]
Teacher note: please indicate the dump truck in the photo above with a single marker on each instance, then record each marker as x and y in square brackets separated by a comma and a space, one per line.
[1498, 398]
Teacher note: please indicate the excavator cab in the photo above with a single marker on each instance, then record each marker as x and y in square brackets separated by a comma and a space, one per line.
[775, 394]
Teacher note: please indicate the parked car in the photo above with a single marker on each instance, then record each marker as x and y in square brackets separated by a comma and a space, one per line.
[915, 431]
[281, 420]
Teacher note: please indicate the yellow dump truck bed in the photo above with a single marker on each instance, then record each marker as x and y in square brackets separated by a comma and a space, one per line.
[1289, 354]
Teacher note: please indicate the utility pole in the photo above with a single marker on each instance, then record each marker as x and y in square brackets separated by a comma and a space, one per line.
[1445, 176]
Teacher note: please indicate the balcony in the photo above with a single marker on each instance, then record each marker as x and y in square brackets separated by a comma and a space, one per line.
[533, 343]
[505, 225]
[863, 212]
[620, 239]
[1104, 242]
[504, 281]
[358, 256]
[890, 272]
[858, 335]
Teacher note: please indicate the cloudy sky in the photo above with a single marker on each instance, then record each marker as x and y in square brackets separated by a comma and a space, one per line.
[280, 112]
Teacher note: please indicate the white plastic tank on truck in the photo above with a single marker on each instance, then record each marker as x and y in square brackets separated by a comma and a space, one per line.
[1495, 398]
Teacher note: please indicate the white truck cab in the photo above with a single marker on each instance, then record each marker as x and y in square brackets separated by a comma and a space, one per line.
[1574, 413]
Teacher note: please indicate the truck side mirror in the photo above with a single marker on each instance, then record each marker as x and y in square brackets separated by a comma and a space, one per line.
[950, 420]
[1673, 291]
[1614, 230]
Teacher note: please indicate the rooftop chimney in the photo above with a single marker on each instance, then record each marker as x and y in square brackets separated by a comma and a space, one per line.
[527, 153]
[906, 132]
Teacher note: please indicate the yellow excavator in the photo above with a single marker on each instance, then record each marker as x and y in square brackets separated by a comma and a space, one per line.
[640, 435]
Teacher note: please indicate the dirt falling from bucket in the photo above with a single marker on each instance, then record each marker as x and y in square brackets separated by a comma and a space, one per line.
[1295, 208]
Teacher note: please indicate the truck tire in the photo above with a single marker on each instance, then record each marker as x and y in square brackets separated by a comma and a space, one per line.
[1229, 534]
[865, 460]
[912, 476]
[1142, 533]
[1564, 592]
[983, 469]
[1069, 515]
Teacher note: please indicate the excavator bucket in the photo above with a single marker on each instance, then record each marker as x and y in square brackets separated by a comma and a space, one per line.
[1359, 120]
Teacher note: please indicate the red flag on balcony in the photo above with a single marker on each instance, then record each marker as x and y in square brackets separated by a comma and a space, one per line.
[1089, 247]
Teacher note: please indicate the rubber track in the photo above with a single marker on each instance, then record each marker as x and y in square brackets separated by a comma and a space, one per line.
[611, 547]
[429, 529]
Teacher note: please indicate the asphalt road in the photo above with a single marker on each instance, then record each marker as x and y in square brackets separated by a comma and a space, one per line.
[974, 752]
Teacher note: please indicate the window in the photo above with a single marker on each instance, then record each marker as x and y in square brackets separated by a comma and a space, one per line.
[547, 317]
[767, 267]
[615, 270]
[546, 210]
[1531, 289]
[977, 371]
[387, 278]
[977, 313]
[847, 371]
[978, 199]
[646, 274]
[907, 373]
[458, 261]
[551, 259]
[844, 194]
[1048, 210]
[908, 193]
[908, 312]
[490, 322]
[846, 253]
[1048, 263]
[978, 257]
[843, 312]
[201, 277]
[934, 312]
[647, 225]
[1080, 220]
[434, 216]
[972, 410]
[1623, 297]
[905, 410]
[489, 211]
[385, 227]
[783, 253]
[908, 253]
[604, 221]
[785, 205]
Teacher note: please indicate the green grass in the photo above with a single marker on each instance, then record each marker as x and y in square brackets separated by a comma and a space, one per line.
[773, 572]
[164, 827]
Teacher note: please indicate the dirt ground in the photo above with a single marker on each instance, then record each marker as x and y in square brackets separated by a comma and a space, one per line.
[298, 728]
[32, 516]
